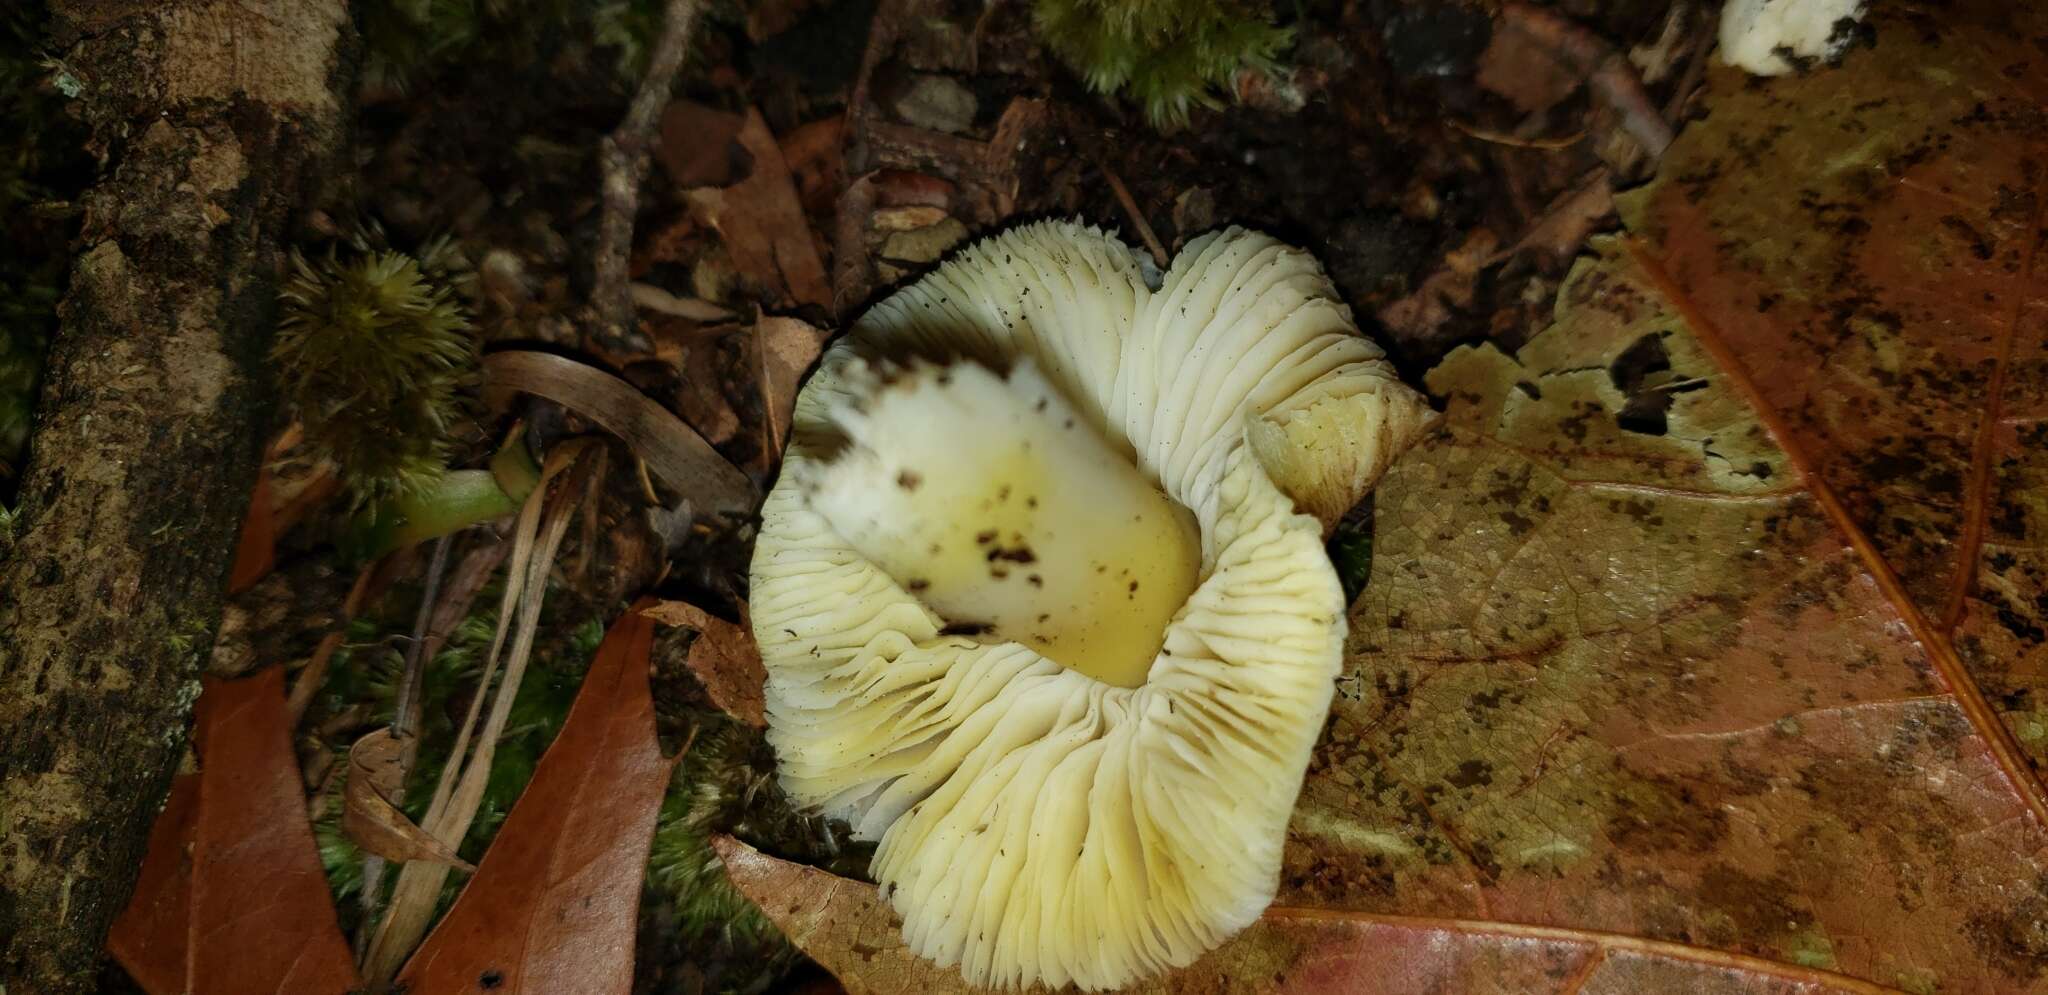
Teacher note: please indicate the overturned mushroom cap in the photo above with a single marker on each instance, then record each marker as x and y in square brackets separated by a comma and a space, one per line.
[1043, 597]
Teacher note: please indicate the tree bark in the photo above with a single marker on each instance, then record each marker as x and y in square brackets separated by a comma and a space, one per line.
[210, 117]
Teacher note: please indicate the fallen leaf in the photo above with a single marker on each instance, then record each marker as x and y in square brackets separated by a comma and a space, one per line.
[723, 657]
[702, 401]
[909, 217]
[1562, 230]
[763, 223]
[151, 937]
[256, 546]
[1865, 244]
[812, 151]
[1530, 74]
[848, 929]
[232, 865]
[1616, 669]
[783, 349]
[1420, 314]
[376, 771]
[696, 145]
[555, 903]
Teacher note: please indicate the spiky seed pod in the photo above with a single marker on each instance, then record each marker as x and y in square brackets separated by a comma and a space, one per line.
[374, 355]
[1168, 55]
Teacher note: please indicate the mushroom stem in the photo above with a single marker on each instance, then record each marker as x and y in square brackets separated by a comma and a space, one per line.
[1002, 509]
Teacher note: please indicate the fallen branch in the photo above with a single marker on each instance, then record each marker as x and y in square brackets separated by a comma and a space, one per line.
[210, 121]
[623, 158]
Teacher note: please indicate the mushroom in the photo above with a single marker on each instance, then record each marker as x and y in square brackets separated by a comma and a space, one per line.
[1043, 596]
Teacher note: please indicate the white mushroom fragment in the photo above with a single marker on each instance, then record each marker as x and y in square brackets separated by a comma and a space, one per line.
[1766, 36]
[1043, 597]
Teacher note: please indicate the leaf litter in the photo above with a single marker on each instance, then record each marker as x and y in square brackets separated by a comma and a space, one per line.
[1619, 709]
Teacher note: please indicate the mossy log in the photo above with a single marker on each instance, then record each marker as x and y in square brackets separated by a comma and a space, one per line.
[212, 119]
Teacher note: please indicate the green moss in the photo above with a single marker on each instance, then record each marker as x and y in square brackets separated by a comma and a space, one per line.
[1168, 56]
[719, 775]
[374, 354]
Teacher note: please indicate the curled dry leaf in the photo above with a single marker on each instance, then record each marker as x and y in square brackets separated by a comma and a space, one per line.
[376, 771]
[696, 144]
[763, 223]
[723, 657]
[846, 927]
[1418, 315]
[676, 454]
[231, 898]
[555, 903]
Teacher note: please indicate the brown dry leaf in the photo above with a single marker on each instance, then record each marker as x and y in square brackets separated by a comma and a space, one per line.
[151, 937]
[256, 546]
[1529, 73]
[231, 898]
[724, 659]
[1419, 314]
[1875, 277]
[815, 161]
[696, 146]
[554, 905]
[1616, 670]
[376, 770]
[1562, 230]
[762, 222]
[783, 349]
[702, 401]
[848, 929]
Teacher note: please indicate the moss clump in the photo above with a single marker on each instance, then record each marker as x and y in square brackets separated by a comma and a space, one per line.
[716, 923]
[1167, 55]
[374, 354]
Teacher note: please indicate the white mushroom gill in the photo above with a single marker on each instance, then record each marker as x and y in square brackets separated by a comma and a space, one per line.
[1102, 794]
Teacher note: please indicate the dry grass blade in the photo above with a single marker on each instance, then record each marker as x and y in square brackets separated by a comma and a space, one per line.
[538, 537]
[675, 452]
